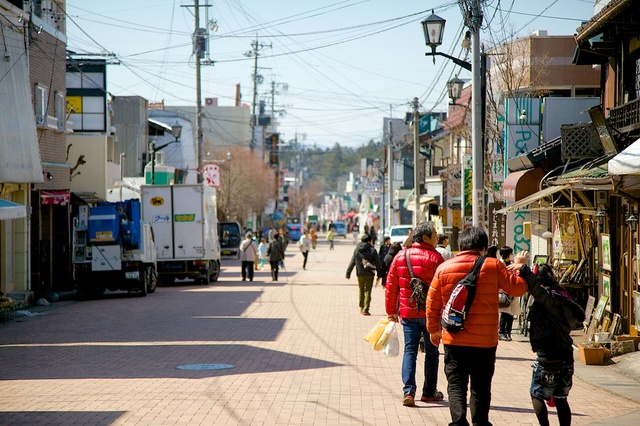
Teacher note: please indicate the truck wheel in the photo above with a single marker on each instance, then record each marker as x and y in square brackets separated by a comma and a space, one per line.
[143, 282]
[153, 280]
[215, 271]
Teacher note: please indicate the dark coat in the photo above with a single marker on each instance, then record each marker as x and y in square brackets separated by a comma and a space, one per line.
[368, 252]
[551, 317]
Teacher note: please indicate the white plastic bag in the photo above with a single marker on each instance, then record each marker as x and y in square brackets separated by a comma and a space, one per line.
[385, 336]
[392, 346]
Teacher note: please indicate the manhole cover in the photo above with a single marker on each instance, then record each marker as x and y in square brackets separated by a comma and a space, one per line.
[205, 367]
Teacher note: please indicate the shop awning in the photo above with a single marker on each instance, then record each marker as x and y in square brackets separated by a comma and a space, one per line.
[10, 210]
[525, 202]
[519, 185]
[49, 197]
[424, 200]
[626, 162]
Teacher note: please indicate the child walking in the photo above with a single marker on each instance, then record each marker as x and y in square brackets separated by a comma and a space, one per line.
[262, 253]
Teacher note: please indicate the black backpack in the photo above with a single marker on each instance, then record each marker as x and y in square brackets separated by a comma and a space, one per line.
[455, 311]
[419, 287]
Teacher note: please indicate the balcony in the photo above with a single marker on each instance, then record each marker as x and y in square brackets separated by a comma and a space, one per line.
[626, 118]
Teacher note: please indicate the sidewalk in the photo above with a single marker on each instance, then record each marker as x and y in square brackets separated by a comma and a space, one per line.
[294, 346]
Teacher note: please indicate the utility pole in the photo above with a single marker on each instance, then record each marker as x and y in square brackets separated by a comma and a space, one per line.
[474, 21]
[391, 167]
[257, 79]
[416, 156]
[199, 49]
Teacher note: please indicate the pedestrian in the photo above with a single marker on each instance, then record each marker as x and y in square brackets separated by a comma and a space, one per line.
[330, 237]
[262, 253]
[313, 235]
[382, 253]
[492, 252]
[365, 251]
[470, 354]
[409, 240]
[443, 247]
[248, 256]
[275, 253]
[355, 231]
[374, 235]
[399, 303]
[552, 315]
[507, 313]
[304, 245]
[394, 249]
[272, 233]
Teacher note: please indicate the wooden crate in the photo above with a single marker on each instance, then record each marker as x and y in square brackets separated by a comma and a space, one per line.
[591, 355]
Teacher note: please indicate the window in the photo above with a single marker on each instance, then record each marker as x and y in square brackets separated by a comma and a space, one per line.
[61, 110]
[41, 104]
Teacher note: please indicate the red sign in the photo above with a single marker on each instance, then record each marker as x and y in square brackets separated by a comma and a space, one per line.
[55, 197]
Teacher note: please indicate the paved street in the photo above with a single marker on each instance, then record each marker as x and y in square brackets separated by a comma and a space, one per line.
[296, 347]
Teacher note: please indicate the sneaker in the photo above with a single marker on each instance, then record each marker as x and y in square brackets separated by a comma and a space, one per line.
[508, 339]
[409, 401]
[437, 396]
[502, 337]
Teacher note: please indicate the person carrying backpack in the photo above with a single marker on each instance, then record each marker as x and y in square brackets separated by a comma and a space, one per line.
[367, 263]
[470, 354]
[552, 315]
[401, 300]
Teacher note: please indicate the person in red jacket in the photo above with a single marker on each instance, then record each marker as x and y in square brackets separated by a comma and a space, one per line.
[398, 303]
[470, 354]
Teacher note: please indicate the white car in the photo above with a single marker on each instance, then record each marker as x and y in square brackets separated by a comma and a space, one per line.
[399, 233]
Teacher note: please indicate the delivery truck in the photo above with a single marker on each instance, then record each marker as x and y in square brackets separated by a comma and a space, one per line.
[113, 249]
[185, 227]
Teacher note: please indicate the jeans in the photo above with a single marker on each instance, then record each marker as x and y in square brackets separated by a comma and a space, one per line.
[305, 254]
[413, 329]
[247, 270]
[364, 290]
[462, 363]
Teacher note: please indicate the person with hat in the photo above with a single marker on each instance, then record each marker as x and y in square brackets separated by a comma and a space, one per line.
[248, 256]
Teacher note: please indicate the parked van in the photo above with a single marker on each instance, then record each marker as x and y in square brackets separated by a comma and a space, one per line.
[230, 238]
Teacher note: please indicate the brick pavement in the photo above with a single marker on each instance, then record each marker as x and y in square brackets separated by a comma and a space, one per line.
[296, 346]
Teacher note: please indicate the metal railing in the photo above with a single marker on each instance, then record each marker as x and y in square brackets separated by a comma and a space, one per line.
[625, 117]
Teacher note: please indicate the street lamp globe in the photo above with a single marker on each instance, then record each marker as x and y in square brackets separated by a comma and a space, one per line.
[454, 87]
[433, 27]
[228, 156]
[176, 130]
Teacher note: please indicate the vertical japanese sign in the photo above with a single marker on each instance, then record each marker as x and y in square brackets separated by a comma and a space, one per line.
[497, 226]
[466, 194]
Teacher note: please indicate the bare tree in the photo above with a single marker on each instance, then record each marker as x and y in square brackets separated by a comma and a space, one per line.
[246, 184]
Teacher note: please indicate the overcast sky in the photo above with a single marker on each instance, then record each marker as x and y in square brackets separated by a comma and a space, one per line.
[339, 66]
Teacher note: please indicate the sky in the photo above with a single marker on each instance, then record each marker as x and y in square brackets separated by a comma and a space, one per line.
[338, 66]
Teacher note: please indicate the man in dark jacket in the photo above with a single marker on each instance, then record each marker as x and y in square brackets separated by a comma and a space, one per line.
[363, 254]
[382, 253]
[275, 253]
[399, 303]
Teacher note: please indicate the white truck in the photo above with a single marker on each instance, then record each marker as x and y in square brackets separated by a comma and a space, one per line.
[185, 228]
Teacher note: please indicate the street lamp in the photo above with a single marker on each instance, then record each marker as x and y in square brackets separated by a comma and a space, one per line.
[176, 131]
[454, 88]
[229, 187]
[433, 28]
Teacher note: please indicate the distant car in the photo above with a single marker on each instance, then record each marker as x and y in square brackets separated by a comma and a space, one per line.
[340, 229]
[230, 238]
[295, 231]
[399, 233]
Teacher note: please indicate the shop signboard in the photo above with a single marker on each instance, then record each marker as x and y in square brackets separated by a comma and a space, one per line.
[467, 186]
